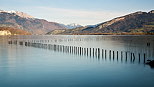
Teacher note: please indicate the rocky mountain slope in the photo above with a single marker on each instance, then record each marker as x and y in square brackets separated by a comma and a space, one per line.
[135, 23]
[26, 22]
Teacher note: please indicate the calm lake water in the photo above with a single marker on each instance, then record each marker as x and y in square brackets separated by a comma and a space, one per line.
[76, 61]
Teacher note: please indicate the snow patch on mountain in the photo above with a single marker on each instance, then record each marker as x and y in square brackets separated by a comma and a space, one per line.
[72, 26]
[21, 14]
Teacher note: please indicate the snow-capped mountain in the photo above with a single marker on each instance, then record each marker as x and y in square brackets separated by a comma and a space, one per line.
[22, 21]
[21, 14]
[73, 25]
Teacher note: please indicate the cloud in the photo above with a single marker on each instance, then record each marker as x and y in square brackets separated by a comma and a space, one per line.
[67, 16]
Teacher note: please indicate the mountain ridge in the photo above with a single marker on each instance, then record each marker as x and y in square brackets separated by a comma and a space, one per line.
[134, 23]
[33, 25]
[137, 22]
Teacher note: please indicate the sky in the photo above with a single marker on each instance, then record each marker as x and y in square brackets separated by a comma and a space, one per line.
[84, 12]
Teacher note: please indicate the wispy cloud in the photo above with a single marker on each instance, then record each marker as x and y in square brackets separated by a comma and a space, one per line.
[78, 16]
[67, 16]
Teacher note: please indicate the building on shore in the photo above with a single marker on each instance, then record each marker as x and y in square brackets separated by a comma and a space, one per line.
[5, 32]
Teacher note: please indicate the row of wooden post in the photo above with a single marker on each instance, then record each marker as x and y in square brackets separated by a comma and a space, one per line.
[92, 52]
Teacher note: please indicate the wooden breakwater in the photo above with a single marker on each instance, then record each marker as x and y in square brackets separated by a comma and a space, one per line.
[90, 51]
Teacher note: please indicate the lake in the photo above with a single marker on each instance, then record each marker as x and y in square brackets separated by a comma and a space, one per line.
[76, 61]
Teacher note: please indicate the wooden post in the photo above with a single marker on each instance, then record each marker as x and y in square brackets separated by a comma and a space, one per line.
[98, 52]
[90, 52]
[80, 50]
[93, 52]
[102, 53]
[26, 44]
[87, 51]
[139, 57]
[72, 49]
[121, 56]
[126, 56]
[113, 55]
[110, 54]
[133, 57]
[105, 54]
[144, 58]
[63, 48]
[117, 55]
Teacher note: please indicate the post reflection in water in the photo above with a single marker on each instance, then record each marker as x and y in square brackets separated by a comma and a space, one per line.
[110, 48]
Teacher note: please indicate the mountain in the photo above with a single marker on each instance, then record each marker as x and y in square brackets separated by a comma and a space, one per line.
[73, 25]
[134, 23]
[20, 20]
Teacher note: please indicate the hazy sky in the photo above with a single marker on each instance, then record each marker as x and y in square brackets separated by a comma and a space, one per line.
[83, 12]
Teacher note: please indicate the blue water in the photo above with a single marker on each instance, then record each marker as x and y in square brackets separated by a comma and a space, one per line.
[22, 66]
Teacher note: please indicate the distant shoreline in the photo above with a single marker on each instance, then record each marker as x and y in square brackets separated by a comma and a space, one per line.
[110, 34]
